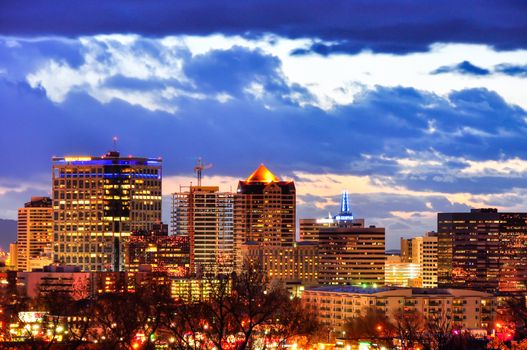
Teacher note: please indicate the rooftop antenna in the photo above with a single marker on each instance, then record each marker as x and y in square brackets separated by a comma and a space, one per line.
[198, 169]
[114, 140]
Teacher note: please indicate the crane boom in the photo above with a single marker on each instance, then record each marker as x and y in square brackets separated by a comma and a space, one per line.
[198, 169]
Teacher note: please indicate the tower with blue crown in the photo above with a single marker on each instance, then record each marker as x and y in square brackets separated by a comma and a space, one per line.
[345, 214]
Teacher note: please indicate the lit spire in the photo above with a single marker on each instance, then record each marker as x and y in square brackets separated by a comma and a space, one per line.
[344, 203]
[345, 209]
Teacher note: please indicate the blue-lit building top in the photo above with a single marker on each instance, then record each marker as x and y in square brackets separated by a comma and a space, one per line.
[110, 160]
[345, 209]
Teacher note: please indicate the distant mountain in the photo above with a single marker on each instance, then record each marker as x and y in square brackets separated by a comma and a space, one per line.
[7, 233]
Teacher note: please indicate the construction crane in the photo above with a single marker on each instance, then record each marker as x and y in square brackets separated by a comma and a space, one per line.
[198, 169]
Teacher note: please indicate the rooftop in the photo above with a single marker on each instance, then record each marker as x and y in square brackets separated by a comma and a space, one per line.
[110, 158]
[350, 289]
[399, 291]
[262, 174]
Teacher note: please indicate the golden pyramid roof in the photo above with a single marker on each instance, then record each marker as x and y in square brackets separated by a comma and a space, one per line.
[262, 174]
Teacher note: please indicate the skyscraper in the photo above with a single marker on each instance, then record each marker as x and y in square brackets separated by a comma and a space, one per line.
[264, 211]
[98, 202]
[35, 233]
[483, 249]
[206, 215]
[351, 255]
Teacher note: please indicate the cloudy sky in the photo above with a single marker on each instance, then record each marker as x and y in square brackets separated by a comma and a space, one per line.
[413, 108]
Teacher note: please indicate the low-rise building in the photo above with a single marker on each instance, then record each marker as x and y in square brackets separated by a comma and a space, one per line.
[159, 251]
[465, 309]
[82, 284]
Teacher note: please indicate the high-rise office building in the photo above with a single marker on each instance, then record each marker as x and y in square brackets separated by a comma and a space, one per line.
[425, 255]
[351, 255]
[35, 234]
[513, 252]
[205, 215]
[483, 249]
[310, 228]
[264, 212]
[98, 202]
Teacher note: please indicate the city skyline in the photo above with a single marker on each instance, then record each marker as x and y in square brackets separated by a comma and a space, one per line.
[252, 175]
[413, 115]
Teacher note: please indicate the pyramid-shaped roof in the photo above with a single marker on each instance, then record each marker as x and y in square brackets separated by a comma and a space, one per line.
[262, 174]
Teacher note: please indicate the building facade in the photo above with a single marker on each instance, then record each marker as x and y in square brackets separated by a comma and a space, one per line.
[264, 212]
[351, 256]
[205, 216]
[34, 234]
[98, 202]
[158, 252]
[79, 284]
[462, 309]
[295, 266]
[401, 274]
[423, 252]
[483, 249]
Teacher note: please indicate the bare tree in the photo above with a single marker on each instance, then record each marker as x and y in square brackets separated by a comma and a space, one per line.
[515, 313]
[294, 323]
[438, 331]
[115, 320]
[254, 302]
[238, 310]
[409, 328]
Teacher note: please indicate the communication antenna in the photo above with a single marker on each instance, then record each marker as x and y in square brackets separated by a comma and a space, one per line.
[114, 140]
[198, 169]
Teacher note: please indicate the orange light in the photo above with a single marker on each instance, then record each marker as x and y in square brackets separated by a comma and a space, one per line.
[262, 174]
[135, 345]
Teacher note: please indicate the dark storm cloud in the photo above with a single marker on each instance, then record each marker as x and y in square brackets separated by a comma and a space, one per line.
[464, 67]
[467, 68]
[336, 26]
[512, 69]
[232, 71]
[365, 137]
[475, 185]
